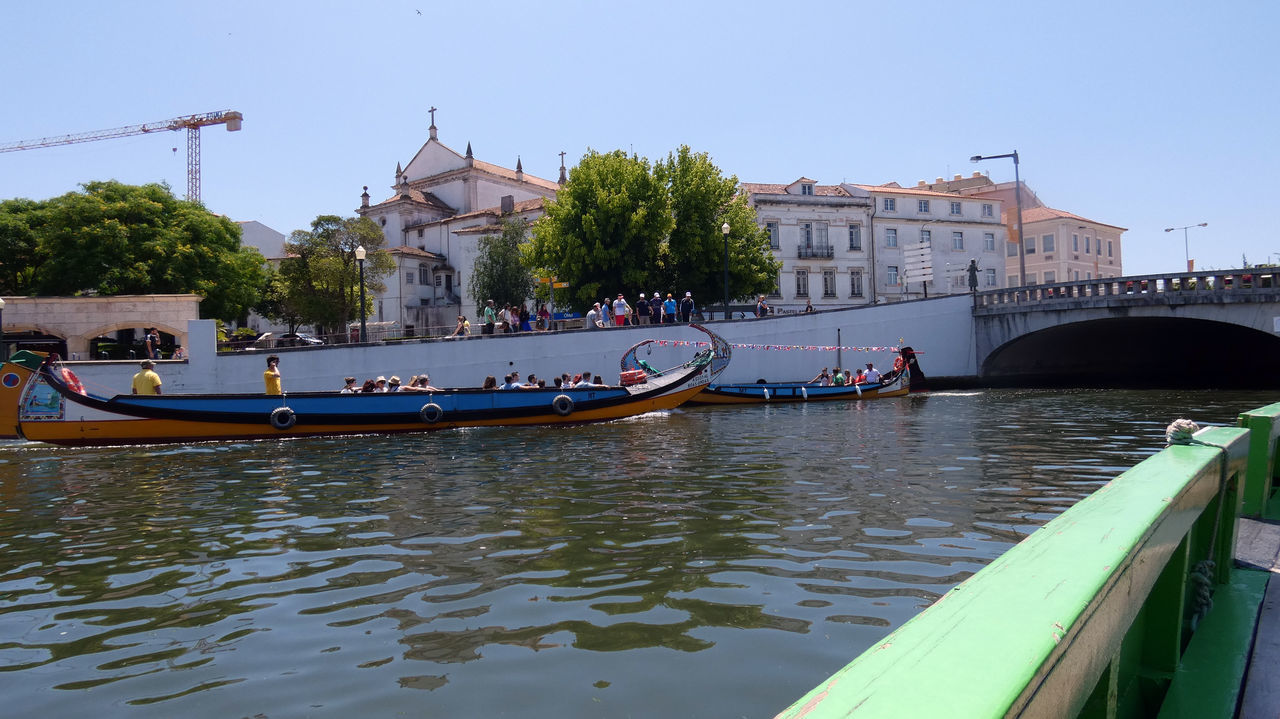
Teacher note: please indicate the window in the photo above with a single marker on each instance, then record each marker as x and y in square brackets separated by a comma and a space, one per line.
[806, 234]
[820, 234]
[777, 285]
[955, 208]
[855, 238]
[772, 229]
[1011, 249]
[1086, 245]
[1075, 242]
[922, 206]
[424, 277]
[408, 278]
[1031, 279]
[802, 283]
[1013, 281]
[989, 241]
[958, 280]
[989, 276]
[806, 189]
[890, 237]
[1046, 243]
[1077, 275]
[988, 210]
[926, 237]
[957, 240]
[828, 283]
[890, 204]
[1108, 248]
[1088, 275]
[892, 274]
[438, 280]
[419, 232]
[1031, 246]
[1050, 277]
[855, 283]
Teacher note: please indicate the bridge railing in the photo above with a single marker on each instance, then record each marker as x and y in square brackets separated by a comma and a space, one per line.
[1181, 283]
[1094, 614]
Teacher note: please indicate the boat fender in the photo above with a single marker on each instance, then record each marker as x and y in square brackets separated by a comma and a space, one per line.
[804, 392]
[766, 394]
[562, 404]
[283, 418]
[72, 382]
[431, 413]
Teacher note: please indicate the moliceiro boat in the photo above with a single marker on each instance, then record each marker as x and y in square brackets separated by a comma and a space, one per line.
[55, 409]
[905, 377]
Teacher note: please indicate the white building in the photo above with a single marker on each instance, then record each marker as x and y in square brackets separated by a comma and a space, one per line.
[823, 235]
[443, 203]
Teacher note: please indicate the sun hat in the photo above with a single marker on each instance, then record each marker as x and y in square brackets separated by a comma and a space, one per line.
[380, 379]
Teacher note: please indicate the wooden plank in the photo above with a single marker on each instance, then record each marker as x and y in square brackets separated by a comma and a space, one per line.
[1258, 544]
[1262, 681]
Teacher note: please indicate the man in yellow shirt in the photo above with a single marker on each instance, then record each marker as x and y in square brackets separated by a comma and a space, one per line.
[146, 381]
[271, 378]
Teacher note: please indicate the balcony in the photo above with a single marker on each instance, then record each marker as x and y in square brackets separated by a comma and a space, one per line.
[817, 252]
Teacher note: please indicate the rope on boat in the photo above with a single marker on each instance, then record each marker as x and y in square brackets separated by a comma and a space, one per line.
[1181, 432]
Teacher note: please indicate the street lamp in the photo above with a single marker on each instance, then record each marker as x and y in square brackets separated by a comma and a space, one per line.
[4, 348]
[724, 230]
[1017, 187]
[1186, 246]
[360, 255]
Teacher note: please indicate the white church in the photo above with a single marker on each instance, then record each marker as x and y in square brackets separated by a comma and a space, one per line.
[442, 203]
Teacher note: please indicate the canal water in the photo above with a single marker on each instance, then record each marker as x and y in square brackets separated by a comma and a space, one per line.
[710, 562]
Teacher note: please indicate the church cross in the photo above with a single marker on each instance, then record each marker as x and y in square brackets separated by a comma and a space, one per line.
[433, 115]
[562, 158]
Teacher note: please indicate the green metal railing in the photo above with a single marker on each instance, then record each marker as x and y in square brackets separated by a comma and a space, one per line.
[1100, 613]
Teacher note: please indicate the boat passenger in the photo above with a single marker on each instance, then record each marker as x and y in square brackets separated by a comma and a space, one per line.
[489, 383]
[146, 381]
[837, 377]
[380, 384]
[823, 378]
[859, 378]
[508, 382]
[583, 380]
[873, 374]
[271, 378]
[369, 387]
[393, 384]
[350, 387]
[422, 383]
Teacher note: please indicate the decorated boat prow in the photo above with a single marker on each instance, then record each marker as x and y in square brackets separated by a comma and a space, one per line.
[70, 416]
[15, 375]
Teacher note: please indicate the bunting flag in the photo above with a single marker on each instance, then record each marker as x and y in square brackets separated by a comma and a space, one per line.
[777, 348]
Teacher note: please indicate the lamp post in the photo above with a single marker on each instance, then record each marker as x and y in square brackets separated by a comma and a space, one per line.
[1017, 187]
[364, 332]
[1186, 244]
[724, 230]
[4, 348]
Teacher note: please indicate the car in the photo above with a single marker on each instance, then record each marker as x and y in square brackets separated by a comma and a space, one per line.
[298, 339]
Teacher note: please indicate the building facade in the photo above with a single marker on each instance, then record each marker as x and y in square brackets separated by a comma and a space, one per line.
[851, 244]
[443, 202]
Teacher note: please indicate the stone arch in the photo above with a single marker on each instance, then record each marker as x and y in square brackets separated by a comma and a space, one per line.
[17, 327]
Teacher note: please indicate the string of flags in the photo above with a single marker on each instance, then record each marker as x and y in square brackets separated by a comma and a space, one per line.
[778, 348]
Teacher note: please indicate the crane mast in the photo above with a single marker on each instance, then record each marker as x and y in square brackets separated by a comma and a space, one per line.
[191, 123]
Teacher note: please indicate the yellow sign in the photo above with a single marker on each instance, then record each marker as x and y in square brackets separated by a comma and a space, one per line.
[560, 285]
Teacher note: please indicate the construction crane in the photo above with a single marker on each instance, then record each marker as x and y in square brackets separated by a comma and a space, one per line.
[192, 124]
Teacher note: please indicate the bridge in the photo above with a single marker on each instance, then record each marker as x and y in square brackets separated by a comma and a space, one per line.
[1218, 328]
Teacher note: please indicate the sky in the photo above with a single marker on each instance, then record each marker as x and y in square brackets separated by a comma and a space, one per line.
[1144, 115]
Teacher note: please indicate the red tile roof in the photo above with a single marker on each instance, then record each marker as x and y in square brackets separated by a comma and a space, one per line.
[760, 188]
[1040, 214]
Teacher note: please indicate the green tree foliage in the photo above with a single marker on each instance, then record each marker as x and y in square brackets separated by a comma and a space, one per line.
[320, 280]
[114, 239]
[620, 225]
[499, 273]
[702, 200]
[603, 231]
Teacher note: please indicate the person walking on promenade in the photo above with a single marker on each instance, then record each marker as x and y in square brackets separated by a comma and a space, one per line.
[686, 308]
[146, 381]
[272, 378]
[669, 310]
[490, 319]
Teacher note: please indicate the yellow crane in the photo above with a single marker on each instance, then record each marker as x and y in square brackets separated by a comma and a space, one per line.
[191, 123]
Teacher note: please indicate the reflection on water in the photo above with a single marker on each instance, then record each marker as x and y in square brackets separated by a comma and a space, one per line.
[712, 562]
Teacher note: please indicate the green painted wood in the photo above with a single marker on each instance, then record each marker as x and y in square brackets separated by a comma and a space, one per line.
[1165, 611]
[1208, 683]
[1264, 462]
[1032, 633]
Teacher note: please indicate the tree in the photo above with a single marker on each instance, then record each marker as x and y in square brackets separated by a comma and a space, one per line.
[114, 239]
[693, 259]
[320, 277]
[499, 273]
[602, 232]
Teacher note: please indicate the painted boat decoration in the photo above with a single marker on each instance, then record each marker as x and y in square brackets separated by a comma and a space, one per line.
[900, 381]
[14, 377]
[54, 409]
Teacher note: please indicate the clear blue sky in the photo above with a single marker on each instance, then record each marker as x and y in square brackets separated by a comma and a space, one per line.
[1144, 115]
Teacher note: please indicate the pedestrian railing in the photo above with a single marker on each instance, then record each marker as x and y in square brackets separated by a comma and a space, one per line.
[1126, 604]
[1172, 286]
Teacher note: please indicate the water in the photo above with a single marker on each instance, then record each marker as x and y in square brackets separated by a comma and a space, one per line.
[715, 562]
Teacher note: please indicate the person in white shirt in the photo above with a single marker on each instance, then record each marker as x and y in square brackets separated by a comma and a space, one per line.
[350, 387]
[873, 374]
[621, 311]
[593, 318]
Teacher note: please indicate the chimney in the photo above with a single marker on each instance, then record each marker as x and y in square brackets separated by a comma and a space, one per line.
[507, 204]
[922, 183]
[938, 181]
[958, 176]
[977, 173]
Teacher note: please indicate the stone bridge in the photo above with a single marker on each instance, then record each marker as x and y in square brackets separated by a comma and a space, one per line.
[1219, 328]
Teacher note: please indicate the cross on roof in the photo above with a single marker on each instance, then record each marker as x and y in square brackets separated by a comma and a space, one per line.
[562, 158]
[433, 115]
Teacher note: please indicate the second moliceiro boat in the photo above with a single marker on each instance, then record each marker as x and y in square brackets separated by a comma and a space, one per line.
[55, 409]
[904, 378]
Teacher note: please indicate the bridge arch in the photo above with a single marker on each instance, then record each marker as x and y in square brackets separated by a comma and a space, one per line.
[1138, 351]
